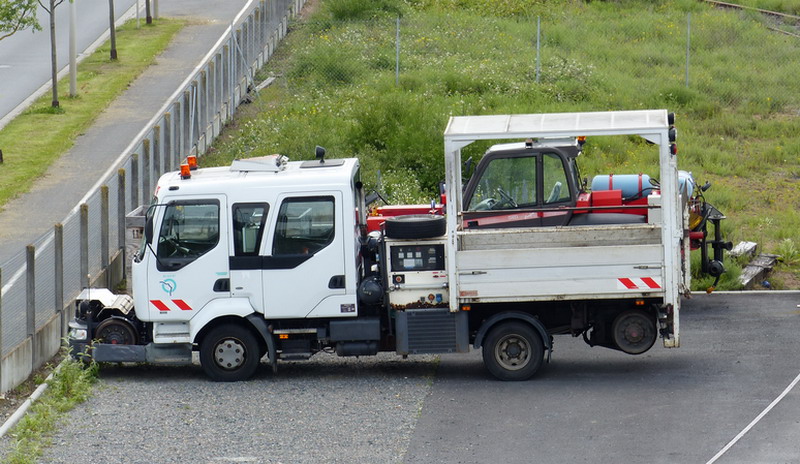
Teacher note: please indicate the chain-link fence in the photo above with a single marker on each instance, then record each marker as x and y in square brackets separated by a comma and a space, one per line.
[87, 248]
[729, 57]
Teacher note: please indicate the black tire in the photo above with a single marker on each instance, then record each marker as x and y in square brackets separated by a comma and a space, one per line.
[634, 332]
[116, 331]
[415, 226]
[229, 353]
[513, 351]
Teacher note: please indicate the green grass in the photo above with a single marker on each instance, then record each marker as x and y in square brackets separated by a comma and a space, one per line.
[36, 138]
[781, 6]
[737, 120]
[70, 385]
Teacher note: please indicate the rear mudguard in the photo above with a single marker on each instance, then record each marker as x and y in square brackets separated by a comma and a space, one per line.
[514, 315]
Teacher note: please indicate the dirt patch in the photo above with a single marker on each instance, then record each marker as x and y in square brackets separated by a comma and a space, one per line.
[308, 9]
[784, 279]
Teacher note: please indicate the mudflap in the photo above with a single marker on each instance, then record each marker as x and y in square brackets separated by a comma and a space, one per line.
[261, 326]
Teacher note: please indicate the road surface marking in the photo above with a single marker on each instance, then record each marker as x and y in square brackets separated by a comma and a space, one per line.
[756, 420]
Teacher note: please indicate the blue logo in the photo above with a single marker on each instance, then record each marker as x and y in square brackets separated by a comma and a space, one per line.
[169, 286]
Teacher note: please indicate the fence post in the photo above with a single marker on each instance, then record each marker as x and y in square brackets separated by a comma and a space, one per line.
[688, 43]
[145, 170]
[58, 247]
[104, 234]
[538, 48]
[202, 111]
[177, 135]
[397, 54]
[168, 142]
[212, 95]
[30, 284]
[237, 69]
[84, 245]
[187, 115]
[121, 219]
[193, 137]
[135, 181]
[226, 81]
[245, 42]
[158, 159]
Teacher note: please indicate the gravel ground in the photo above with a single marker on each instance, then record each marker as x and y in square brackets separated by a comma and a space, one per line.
[327, 409]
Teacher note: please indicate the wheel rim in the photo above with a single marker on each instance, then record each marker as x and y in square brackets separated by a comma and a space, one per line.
[634, 333]
[230, 354]
[115, 332]
[512, 352]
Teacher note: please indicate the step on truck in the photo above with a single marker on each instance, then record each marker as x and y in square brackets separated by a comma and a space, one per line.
[270, 259]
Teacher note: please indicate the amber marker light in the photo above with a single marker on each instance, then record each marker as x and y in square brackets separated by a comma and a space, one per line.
[185, 171]
[192, 161]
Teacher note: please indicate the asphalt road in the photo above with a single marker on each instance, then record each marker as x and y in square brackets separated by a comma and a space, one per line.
[738, 353]
[589, 405]
[25, 56]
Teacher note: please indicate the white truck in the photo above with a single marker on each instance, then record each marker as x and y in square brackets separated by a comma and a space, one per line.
[275, 260]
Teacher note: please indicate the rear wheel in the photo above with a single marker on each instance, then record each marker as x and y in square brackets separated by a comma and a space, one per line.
[634, 332]
[513, 351]
[229, 353]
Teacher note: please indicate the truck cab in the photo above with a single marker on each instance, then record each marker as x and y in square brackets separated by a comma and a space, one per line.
[526, 184]
[263, 235]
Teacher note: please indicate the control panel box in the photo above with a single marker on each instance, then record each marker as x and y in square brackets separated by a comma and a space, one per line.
[417, 276]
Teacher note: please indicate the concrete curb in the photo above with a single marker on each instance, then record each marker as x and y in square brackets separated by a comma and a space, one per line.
[20, 412]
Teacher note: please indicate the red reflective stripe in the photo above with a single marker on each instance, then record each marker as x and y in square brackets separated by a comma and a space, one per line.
[628, 283]
[650, 282]
[159, 305]
[182, 305]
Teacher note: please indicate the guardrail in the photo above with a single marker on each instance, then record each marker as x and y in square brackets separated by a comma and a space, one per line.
[88, 247]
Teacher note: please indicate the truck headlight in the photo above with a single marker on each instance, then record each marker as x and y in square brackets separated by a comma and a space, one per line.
[78, 331]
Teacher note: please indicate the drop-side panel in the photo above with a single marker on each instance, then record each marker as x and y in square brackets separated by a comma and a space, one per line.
[560, 273]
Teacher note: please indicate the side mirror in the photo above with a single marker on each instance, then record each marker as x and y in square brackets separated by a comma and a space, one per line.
[148, 225]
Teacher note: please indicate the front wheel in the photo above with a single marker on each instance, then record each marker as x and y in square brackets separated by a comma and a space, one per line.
[513, 351]
[229, 353]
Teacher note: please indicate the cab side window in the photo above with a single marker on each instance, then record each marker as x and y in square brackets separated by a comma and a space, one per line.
[189, 230]
[304, 226]
[248, 227]
[556, 188]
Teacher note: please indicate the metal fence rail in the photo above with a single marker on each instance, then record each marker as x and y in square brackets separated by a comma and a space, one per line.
[87, 248]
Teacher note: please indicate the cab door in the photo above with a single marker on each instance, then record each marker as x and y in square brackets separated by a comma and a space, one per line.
[303, 268]
[191, 261]
[248, 225]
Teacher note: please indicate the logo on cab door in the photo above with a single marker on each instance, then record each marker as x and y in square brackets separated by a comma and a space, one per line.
[169, 286]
